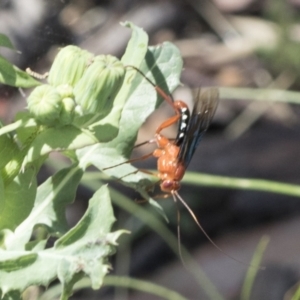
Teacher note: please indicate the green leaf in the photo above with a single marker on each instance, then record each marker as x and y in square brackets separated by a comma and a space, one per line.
[8, 149]
[13, 295]
[137, 46]
[62, 138]
[5, 42]
[18, 263]
[11, 75]
[27, 129]
[1, 191]
[13, 167]
[49, 208]
[94, 237]
[18, 200]
[30, 122]
[103, 213]
[26, 132]
[84, 250]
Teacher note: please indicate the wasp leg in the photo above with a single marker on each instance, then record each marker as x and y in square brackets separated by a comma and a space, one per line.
[145, 143]
[130, 161]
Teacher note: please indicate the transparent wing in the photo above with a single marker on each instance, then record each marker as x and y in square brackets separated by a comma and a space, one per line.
[204, 109]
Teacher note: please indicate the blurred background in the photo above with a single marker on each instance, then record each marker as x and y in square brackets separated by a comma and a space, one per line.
[226, 43]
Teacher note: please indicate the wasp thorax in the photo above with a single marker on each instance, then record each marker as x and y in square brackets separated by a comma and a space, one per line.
[99, 85]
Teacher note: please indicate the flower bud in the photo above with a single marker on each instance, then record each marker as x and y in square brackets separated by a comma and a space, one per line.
[65, 90]
[45, 104]
[69, 66]
[67, 112]
[99, 85]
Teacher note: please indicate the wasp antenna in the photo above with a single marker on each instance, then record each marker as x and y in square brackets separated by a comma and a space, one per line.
[175, 194]
[145, 143]
[178, 232]
[130, 161]
[163, 94]
[142, 73]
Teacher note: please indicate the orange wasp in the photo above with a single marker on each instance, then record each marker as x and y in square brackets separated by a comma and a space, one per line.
[174, 155]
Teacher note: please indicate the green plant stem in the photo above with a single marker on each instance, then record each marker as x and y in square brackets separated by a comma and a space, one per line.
[119, 281]
[18, 124]
[143, 286]
[252, 271]
[274, 95]
[10, 127]
[64, 296]
[296, 296]
[242, 183]
[204, 179]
